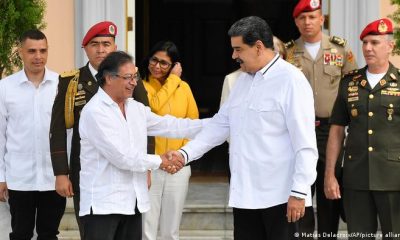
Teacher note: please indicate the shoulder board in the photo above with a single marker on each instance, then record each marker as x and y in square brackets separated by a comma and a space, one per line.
[289, 44]
[351, 73]
[70, 73]
[338, 40]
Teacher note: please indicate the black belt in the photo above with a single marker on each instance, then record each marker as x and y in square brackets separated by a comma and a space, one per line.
[321, 121]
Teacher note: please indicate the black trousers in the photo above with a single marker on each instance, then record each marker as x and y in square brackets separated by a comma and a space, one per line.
[112, 227]
[263, 224]
[363, 208]
[47, 208]
[328, 211]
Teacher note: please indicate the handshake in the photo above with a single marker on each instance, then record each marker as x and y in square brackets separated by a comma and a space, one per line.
[172, 162]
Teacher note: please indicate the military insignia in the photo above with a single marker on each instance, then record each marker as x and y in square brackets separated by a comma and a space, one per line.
[90, 83]
[351, 83]
[382, 28]
[314, 3]
[289, 44]
[353, 99]
[80, 86]
[80, 103]
[77, 98]
[350, 56]
[354, 112]
[111, 29]
[393, 84]
[338, 40]
[353, 94]
[393, 76]
[382, 82]
[339, 60]
[327, 59]
[353, 89]
[390, 112]
[333, 50]
[81, 92]
[363, 82]
[356, 77]
[392, 89]
[69, 73]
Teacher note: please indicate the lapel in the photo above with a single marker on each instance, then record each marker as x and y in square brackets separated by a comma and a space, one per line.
[89, 84]
[301, 51]
[387, 79]
[362, 81]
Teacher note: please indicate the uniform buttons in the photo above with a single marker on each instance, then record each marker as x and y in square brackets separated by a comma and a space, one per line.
[370, 114]
[349, 156]
[370, 132]
[391, 105]
[370, 149]
[371, 96]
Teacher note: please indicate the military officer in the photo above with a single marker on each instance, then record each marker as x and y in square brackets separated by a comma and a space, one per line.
[368, 103]
[75, 89]
[323, 60]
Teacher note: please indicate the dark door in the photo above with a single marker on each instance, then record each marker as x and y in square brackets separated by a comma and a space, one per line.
[199, 28]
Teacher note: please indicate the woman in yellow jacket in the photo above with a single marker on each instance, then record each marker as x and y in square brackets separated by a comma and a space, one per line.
[168, 94]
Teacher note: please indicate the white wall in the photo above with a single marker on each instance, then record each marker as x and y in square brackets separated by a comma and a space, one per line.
[349, 17]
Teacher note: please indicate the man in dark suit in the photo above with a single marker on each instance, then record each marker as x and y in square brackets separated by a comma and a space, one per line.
[75, 89]
[368, 103]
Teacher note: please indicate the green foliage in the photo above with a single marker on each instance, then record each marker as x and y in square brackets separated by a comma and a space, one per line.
[396, 18]
[17, 16]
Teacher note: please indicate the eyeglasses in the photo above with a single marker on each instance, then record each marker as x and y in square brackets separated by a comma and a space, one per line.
[163, 64]
[129, 77]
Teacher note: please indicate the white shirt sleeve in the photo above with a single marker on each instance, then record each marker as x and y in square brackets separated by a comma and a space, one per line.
[99, 131]
[300, 119]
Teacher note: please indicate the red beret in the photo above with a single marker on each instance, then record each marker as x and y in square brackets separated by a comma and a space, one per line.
[101, 29]
[306, 6]
[379, 27]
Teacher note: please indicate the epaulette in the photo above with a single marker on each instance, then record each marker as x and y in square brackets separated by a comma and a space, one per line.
[289, 44]
[351, 73]
[70, 73]
[338, 40]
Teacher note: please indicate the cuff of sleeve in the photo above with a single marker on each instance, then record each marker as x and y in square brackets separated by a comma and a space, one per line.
[185, 155]
[298, 194]
[154, 161]
[174, 79]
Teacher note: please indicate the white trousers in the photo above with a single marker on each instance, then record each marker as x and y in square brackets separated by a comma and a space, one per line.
[167, 198]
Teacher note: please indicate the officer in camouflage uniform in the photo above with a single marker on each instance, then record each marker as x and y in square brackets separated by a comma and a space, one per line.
[75, 89]
[368, 103]
[323, 60]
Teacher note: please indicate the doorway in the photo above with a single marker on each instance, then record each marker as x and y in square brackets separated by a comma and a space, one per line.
[199, 29]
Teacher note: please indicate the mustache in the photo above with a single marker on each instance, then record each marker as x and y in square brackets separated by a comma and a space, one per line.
[238, 60]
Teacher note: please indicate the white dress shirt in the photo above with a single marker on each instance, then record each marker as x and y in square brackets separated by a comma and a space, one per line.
[114, 159]
[270, 121]
[25, 113]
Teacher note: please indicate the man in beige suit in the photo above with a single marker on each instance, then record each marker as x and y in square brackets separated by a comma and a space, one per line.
[323, 60]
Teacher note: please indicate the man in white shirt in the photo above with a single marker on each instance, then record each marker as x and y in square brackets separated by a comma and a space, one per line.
[113, 129]
[269, 118]
[26, 176]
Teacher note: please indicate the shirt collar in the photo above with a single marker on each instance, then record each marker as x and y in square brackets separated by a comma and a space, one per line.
[23, 78]
[264, 69]
[106, 98]
[93, 71]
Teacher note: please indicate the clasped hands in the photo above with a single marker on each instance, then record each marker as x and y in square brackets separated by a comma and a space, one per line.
[172, 162]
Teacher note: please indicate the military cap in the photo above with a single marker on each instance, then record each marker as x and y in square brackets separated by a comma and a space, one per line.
[306, 6]
[101, 29]
[379, 27]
